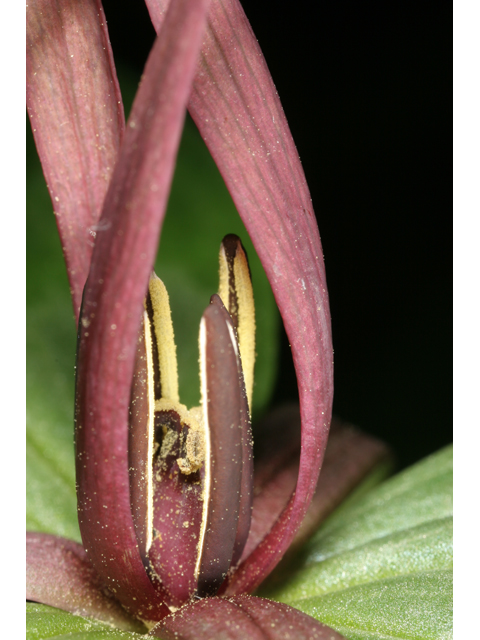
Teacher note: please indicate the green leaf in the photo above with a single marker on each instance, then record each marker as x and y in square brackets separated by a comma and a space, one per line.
[417, 607]
[417, 495]
[47, 622]
[421, 549]
[380, 567]
[51, 500]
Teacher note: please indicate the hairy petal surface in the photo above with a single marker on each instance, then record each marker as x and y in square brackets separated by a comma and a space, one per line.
[237, 110]
[59, 574]
[241, 617]
[121, 264]
[76, 113]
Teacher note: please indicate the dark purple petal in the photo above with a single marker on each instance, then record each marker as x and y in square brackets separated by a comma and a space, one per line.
[76, 112]
[59, 574]
[241, 617]
[122, 260]
[235, 290]
[236, 108]
[227, 425]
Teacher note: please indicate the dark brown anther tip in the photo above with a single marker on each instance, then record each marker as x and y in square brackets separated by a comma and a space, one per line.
[231, 243]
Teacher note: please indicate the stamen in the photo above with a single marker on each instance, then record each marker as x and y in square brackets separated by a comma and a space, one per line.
[158, 308]
[236, 292]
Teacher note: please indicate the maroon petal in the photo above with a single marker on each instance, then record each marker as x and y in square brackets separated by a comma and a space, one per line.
[241, 617]
[59, 574]
[350, 456]
[76, 112]
[277, 454]
[121, 264]
[238, 113]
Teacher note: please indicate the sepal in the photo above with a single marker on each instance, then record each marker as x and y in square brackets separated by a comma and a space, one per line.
[60, 575]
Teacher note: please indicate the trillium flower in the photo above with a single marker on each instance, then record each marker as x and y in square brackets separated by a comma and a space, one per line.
[141, 456]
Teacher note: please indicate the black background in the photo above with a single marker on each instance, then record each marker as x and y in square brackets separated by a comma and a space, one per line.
[366, 87]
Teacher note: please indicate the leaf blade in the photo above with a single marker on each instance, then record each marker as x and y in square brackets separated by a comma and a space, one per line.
[416, 607]
[47, 622]
[380, 568]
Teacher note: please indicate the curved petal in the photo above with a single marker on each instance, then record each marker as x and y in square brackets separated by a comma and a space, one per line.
[112, 303]
[237, 110]
[350, 456]
[241, 617]
[59, 574]
[76, 113]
